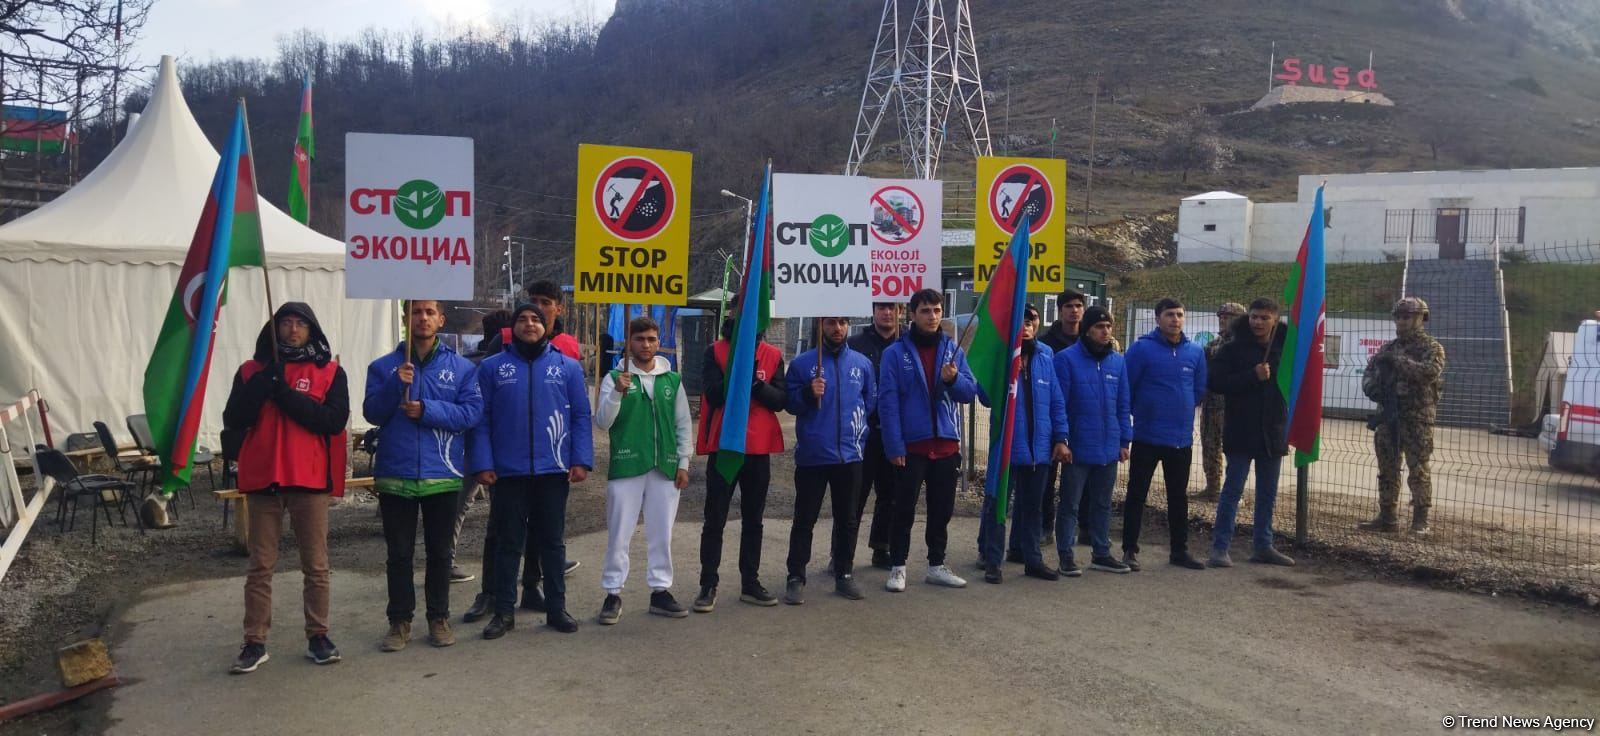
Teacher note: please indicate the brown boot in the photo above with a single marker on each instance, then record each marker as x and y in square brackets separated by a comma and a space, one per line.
[399, 634]
[1385, 521]
[439, 633]
[1419, 520]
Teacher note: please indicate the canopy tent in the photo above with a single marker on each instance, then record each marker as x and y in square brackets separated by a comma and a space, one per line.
[86, 279]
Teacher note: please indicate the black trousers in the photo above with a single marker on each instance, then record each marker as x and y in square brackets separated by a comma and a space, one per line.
[1047, 508]
[877, 476]
[941, 476]
[399, 515]
[1142, 460]
[520, 507]
[810, 483]
[752, 481]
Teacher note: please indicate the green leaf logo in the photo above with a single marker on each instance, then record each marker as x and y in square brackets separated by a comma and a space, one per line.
[419, 204]
[829, 235]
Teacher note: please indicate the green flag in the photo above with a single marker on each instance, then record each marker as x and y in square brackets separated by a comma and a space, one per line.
[305, 149]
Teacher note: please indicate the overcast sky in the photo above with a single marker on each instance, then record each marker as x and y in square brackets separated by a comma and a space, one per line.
[198, 30]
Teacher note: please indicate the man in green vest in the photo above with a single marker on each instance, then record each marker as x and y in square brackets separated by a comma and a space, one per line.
[643, 406]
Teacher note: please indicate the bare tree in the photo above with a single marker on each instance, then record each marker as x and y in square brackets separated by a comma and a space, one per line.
[54, 50]
[1193, 143]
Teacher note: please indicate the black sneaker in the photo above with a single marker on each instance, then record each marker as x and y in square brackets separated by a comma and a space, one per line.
[1131, 559]
[532, 599]
[1187, 561]
[1108, 564]
[845, 585]
[458, 575]
[1014, 555]
[756, 595]
[321, 650]
[663, 604]
[992, 575]
[561, 621]
[572, 565]
[880, 559]
[1069, 568]
[706, 602]
[499, 625]
[794, 591]
[251, 656]
[479, 608]
[611, 610]
[1041, 572]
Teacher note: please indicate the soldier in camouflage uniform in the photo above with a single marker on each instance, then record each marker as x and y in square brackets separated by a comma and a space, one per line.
[1405, 378]
[1211, 410]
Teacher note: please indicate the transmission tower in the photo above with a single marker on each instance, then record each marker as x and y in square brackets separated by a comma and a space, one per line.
[922, 73]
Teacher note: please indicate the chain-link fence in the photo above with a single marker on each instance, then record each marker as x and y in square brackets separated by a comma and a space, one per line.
[1515, 466]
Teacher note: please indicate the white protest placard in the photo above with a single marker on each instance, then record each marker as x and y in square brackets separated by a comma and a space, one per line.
[907, 233]
[821, 251]
[408, 217]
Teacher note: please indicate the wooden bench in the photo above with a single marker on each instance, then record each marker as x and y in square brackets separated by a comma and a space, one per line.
[241, 528]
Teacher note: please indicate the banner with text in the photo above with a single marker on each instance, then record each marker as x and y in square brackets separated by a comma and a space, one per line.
[633, 225]
[408, 217]
[1007, 189]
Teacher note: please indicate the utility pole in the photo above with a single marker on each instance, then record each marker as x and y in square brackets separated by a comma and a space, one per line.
[1094, 109]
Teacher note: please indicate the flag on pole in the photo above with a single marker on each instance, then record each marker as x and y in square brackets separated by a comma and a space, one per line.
[996, 358]
[228, 235]
[753, 313]
[305, 149]
[1300, 367]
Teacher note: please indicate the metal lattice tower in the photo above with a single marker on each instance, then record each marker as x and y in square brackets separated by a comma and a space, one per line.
[923, 74]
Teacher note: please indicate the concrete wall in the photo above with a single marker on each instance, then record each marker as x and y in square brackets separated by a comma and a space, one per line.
[1229, 241]
[1474, 189]
[1549, 220]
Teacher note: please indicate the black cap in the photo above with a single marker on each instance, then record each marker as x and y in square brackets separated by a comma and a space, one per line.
[529, 308]
[1093, 316]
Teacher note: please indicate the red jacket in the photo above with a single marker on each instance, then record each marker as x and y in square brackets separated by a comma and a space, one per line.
[279, 450]
[567, 345]
[763, 435]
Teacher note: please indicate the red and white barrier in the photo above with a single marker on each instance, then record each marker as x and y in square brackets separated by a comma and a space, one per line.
[17, 440]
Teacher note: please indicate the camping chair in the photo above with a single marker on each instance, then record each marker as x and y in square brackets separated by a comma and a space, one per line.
[139, 427]
[55, 465]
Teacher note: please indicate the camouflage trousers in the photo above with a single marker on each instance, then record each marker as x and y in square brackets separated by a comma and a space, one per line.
[1416, 444]
[1211, 448]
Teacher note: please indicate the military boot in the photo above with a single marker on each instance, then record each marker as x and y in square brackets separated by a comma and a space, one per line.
[1419, 520]
[1385, 521]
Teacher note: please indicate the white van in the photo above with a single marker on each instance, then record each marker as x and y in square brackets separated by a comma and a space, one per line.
[1576, 445]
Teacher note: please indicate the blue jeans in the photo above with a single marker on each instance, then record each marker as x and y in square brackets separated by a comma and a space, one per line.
[529, 506]
[1029, 481]
[1085, 489]
[1267, 467]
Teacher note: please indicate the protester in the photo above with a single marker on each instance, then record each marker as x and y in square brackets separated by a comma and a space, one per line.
[496, 328]
[421, 403]
[534, 441]
[1039, 437]
[1254, 431]
[548, 297]
[763, 437]
[830, 391]
[1094, 383]
[644, 409]
[1211, 415]
[877, 475]
[1167, 381]
[291, 403]
[1063, 334]
[921, 378]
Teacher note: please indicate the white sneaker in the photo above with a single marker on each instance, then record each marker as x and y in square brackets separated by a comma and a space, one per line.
[897, 580]
[941, 575]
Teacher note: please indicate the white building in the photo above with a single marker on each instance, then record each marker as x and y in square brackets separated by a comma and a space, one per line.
[1442, 214]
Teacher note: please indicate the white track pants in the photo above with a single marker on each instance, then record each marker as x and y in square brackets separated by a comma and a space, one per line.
[656, 495]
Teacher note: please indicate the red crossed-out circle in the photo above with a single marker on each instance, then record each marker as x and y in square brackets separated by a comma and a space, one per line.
[910, 229]
[636, 217]
[1034, 184]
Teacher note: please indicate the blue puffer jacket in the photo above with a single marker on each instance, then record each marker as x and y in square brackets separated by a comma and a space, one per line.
[1167, 382]
[1098, 404]
[430, 447]
[1032, 441]
[835, 431]
[535, 416]
[905, 410]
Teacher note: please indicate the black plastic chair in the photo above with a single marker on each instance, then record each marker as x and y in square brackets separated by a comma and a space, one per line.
[72, 486]
[137, 471]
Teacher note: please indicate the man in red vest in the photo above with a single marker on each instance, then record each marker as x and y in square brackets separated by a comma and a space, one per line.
[763, 437]
[291, 403]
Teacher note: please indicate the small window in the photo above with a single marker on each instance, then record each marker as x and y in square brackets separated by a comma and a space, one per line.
[1211, 228]
[1330, 352]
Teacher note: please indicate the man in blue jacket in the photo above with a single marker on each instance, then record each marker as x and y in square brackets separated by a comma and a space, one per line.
[421, 406]
[1094, 383]
[831, 390]
[921, 378]
[1038, 439]
[877, 475]
[1167, 378]
[533, 443]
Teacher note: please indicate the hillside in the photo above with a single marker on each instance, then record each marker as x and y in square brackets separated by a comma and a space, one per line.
[1477, 85]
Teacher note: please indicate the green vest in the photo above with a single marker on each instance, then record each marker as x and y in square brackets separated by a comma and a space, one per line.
[645, 434]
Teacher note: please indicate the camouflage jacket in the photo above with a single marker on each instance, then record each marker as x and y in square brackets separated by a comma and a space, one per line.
[1214, 401]
[1412, 367]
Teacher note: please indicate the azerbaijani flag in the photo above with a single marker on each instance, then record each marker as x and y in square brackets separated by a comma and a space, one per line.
[1300, 367]
[754, 312]
[305, 149]
[996, 358]
[228, 235]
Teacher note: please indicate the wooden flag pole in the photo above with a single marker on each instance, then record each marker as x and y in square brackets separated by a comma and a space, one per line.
[250, 153]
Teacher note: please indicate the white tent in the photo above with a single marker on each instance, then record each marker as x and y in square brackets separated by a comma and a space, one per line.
[86, 279]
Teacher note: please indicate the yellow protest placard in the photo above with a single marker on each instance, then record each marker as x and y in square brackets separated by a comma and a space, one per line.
[632, 243]
[1009, 188]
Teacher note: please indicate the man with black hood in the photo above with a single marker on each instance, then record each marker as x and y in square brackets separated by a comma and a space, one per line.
[1253, 428]
[534, 441]
[288, 408]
